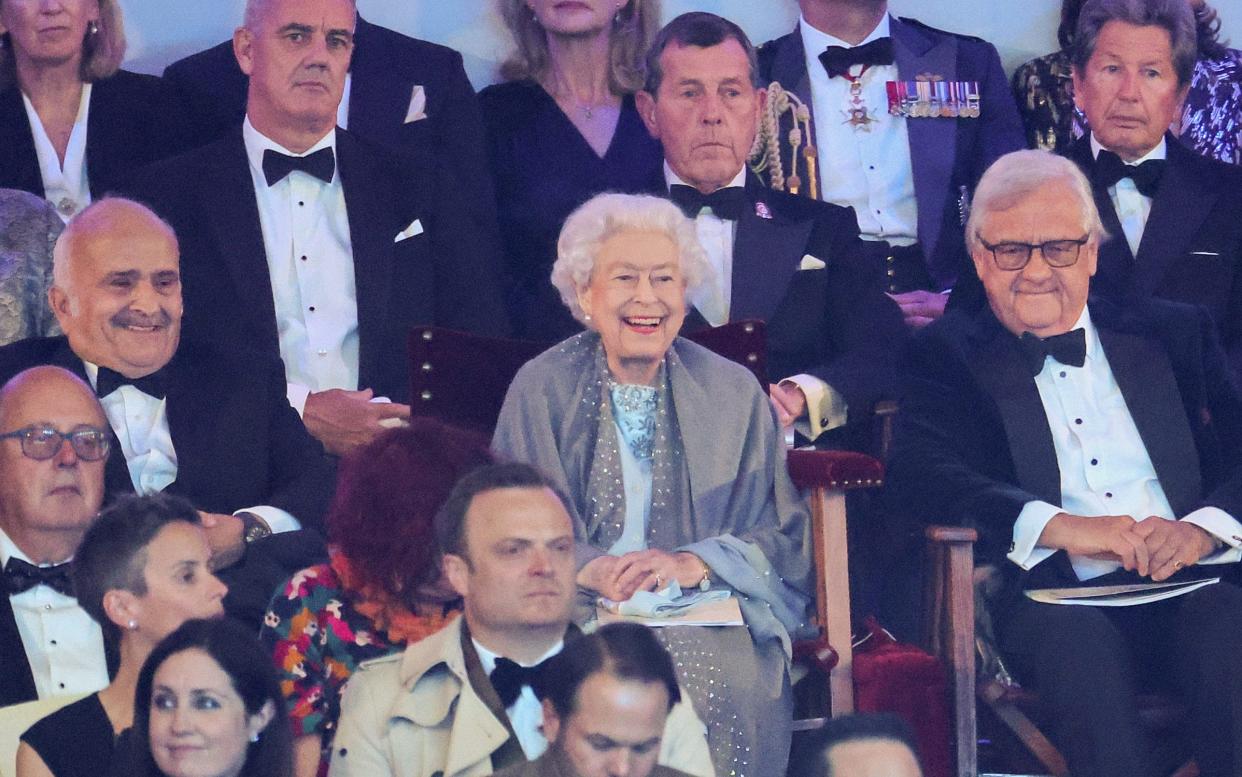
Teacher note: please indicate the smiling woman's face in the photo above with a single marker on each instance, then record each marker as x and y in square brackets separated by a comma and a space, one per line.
[47, 33]
[637, 302]
[199, 725]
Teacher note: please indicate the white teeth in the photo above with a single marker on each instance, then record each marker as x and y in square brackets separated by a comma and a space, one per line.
[644, 321]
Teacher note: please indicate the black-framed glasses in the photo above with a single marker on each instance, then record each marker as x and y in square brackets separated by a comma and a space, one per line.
[1014, 256]
[43, 442]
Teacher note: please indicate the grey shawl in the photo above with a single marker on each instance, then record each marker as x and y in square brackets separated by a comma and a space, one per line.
[742, 514]
[29, 227]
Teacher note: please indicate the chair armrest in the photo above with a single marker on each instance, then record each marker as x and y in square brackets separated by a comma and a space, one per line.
[816, 653]
[834, 470]
[951, 534]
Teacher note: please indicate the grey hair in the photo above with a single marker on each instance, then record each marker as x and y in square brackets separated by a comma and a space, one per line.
[607, 215]
[1018, 175]
[1175, 16]
[255, 9]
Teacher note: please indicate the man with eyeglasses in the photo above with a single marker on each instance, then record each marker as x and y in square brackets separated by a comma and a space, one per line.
[213, 427]
[1088, 443]
[53, 444]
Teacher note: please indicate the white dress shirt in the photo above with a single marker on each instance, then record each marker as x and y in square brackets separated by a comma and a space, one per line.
[140, 422]
[866, 169]
[526, 713]
[1132, 207]
[63, 644]
[65, 186]
[1105, 469]
[310, 261]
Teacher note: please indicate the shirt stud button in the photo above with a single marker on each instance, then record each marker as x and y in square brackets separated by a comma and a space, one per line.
[1094, 462]
[1076, 420]
[1062, 371]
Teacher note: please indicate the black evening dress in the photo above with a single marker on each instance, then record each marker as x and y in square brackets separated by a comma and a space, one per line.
[76, 740]
[544, 169]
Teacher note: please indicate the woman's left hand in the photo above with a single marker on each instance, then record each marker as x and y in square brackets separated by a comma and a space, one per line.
[662, 567]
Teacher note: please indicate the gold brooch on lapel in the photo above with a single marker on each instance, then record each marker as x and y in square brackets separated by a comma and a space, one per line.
[762, 210]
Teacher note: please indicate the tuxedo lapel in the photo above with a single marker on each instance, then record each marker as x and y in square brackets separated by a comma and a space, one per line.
[185, 417]
[377, 104]
[997, 366]
[16, 680]
[766, 252]
[371, 240]
[231, 209]
[19, 163]
[933, 142]
[1145, 376]
[1177, 211]
[1115, 266]
[104, 134]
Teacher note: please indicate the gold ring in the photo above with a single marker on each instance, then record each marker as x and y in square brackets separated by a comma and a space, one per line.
[1178, 565]
[657, 582]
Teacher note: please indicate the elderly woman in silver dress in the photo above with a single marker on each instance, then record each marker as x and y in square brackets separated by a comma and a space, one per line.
[671, 459]
[29, 227]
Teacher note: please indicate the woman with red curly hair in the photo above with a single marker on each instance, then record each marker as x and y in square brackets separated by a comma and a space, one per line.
[382, 588]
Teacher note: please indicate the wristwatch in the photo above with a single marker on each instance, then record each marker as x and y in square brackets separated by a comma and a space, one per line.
[253, 527]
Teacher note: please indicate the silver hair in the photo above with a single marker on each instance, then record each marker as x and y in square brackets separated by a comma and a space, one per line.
[1018, 175]
[607, 215]
[256, 8]
[1175, 16]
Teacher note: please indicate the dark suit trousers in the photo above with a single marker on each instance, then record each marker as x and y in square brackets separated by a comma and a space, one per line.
[1089, 664]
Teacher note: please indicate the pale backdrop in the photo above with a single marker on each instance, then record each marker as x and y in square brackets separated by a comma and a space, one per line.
[161, 31]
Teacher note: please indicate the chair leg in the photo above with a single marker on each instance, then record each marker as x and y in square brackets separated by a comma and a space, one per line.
[992, 693]
[962, 651]
[828, 512]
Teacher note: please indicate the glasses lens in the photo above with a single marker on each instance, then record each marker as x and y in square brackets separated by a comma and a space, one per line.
[1061, 253]
[41, 444]
[1012, 256]
[90, 444]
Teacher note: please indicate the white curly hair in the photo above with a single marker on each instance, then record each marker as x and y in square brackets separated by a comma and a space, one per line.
[607, 215]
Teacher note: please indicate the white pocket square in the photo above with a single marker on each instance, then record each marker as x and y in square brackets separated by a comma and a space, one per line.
[1205, 253]
[418, 105]
[811, 263]
[415, 228]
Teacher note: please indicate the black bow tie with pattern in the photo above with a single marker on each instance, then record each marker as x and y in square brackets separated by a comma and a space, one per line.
[20, 576]
[728, 203]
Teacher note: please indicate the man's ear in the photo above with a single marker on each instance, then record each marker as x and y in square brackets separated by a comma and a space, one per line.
[243, 42]
[646, 103]
[61, 305]
[457, 570]
[551, 721]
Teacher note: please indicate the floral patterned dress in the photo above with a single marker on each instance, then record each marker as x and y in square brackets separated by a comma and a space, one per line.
[1211, 121]
[319, 629]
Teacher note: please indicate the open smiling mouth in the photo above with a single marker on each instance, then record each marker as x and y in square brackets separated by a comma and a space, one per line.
[643, 324]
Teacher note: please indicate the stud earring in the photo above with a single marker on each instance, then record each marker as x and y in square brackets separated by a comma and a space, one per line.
[254, 737]
[92, 27]
[133, 624]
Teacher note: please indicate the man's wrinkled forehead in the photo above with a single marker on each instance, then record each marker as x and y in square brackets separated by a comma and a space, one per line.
[335, 17]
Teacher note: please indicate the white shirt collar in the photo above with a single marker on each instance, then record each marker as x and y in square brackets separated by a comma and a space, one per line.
[816, 40]
[9, 549]
[256, 143]
[1161, 151]
[671, 178]
[488, 659]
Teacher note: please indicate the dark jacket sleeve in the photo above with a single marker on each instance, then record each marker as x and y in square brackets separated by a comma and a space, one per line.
[301, 475]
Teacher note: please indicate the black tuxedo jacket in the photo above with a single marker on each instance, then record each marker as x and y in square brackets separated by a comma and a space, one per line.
[238, 442]
[386, 66]
[972, 443]
[948, 156]
[834, 323]
[134, 120]
[445, 276]
[1191, 249]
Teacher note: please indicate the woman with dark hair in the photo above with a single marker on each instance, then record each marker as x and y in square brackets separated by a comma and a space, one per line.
[141, 571]
[382, 588]
[1211, 121]
[72, 123]
[562, 128]
[208, 705]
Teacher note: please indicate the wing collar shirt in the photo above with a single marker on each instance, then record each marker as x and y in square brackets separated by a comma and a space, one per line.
[140, 423]
[867, 168]
[1105, 469]
[310, 262]
[1132, 207]
[65, 185]
[63, 644]
[525, 714]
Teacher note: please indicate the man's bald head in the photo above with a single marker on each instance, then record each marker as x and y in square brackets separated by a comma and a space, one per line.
[116, 287]
[46, 505]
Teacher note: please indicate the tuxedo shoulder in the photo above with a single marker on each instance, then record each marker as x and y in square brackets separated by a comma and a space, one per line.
[24, 354]
[768, 51]
[129, 81]
[798, 208]
[1155, 317]
[217, 58]
[939, 33]
[423, 51]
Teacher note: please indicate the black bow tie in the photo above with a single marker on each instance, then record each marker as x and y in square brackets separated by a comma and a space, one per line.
[838, 60]
[1069, 348]
[21, 576]
[321, 164]
[509, 677]
[1109, 169]
[727, 203]
[108, 381]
